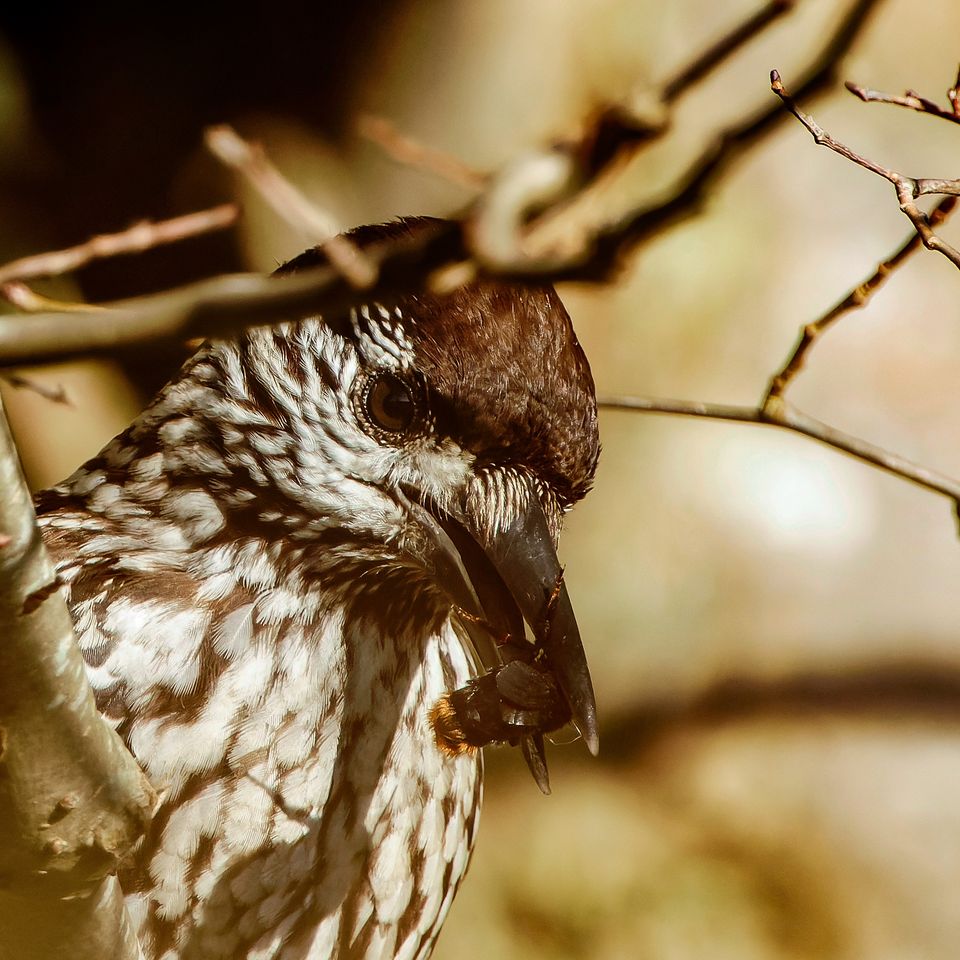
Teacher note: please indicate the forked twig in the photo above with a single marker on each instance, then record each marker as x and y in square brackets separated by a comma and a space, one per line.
[909, 189]
[774, 411]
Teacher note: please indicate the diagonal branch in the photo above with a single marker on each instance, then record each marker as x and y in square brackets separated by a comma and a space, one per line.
[719, 52]
[855, 300]
[142, 236]
[410, 152]
[909, 189]
[54, 394]
[252, 162]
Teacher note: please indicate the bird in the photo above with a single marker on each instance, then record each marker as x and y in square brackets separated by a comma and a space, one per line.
[310, 582]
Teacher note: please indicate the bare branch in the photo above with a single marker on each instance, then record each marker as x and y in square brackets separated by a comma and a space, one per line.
[29, 301]
[594, 253]
[911, 100]
[53, 394]
[719, 52]
[898, 690]
[779, 414]
[908, 188]
[251, 161]
[857, 298]
[412, 153]
[225, 305]
[136, 239]
[72, 799]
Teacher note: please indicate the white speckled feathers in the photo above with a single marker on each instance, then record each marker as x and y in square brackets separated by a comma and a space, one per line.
[270, 604]
[299, 780]
[246, 647]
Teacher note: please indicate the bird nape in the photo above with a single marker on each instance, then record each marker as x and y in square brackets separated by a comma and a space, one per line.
[303, 582]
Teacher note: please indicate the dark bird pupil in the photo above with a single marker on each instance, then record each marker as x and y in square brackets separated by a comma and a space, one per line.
[390, 403]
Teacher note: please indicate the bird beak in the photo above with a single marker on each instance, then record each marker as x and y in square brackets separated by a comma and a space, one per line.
[523, 556]
[501, 578]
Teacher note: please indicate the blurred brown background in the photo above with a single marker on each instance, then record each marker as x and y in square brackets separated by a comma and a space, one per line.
[707, 551]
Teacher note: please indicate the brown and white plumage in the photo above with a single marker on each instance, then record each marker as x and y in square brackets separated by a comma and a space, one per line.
[270, 613]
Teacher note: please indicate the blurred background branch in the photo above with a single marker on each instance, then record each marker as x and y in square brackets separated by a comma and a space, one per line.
[494, 227]
[319, 227]
[905, 690]
[142, 236]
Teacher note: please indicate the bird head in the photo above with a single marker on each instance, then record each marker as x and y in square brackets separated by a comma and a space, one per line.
[440, 438]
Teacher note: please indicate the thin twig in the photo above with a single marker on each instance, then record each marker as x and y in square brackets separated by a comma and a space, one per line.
[857, 298]
[251, 161]
[225, 305]
[910, 99]
[55, 394]
[29, 301]
[780, 414]
[908, 188]
[413, 153]
[140, 237]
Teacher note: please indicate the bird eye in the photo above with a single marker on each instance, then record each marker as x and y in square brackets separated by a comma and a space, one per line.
[391, 404]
